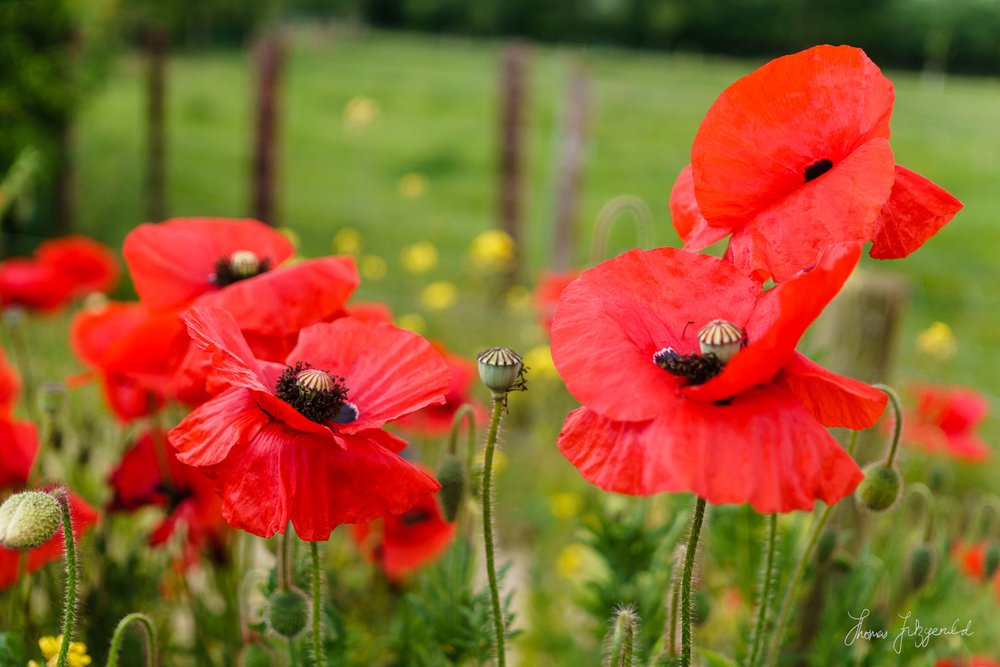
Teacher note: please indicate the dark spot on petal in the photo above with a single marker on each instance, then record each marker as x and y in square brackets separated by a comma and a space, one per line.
[817, 169]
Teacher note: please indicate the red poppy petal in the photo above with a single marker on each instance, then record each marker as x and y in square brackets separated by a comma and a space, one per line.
[283, 301]
[90, 265]
[10, 385]
[833, 399]
[18, 448]
[779, 319]
[284, 412]
[31, 284]
[842, 205]
[916, 210]
[764, 448]
[206, 436]
[968, 447]
[758, 138]
[693, 229]
[281, 475]
[389, 372]
[612, 320]
[173, 262]
[215, 331]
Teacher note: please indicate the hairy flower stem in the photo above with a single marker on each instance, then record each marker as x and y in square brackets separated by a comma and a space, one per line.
[765, 594]
[467, 413]
[317, 619]
[686, 602]
[69, 612]
[285, 559]
[146, 624]
[897, 408]
[792, 588]
[487, 493]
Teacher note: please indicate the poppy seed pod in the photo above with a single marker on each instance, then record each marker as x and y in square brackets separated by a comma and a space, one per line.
[451, 477]
[880, 489]
[28, 520]
[721, 338]
[920, 565]
[287, 612]
[500, 368]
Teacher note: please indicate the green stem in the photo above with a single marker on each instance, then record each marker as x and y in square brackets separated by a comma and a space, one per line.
[853, 444]
[468, 413]
[765, 596]
[146, 624]
[897, 407]
[284, 559]
[686, 603]
[44, 444]
[317, 619]
[487, 492]
[69, 612]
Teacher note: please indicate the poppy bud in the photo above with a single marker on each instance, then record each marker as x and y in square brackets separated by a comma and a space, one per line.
[50, 397]
[824, 548]
[451, 476]
[702, 608]
[500, 369]
[28, 520]
[920, 565]
[622, 638]
[991, 559]
[880, 489]
[721, 338]
[255, 655]
[287, 612]
[941, 478]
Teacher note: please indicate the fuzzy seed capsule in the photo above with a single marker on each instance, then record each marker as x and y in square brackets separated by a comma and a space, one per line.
[28, 520]
[287, 612]
[499, 368]
[721, 338]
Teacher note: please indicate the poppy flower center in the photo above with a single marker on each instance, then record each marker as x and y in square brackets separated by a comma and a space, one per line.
[316, 394]
[718, 340]
[818, 168]
[240, 265]
[414, 517]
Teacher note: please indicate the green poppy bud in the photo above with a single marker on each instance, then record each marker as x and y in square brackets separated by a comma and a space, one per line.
[880, 489]
[824, 548]
[702, 607]
[622, 639]
[451, 476]
[941, 479]
[920, 565]
[500, 369]
[29, 520]
[287, 612]
[991, 559]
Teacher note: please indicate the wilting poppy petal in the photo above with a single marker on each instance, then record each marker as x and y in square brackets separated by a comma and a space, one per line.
[691, 226]
[615, 317]
[740, 452]
[173, 262]
[833, 399]
[386, 369]
[206, 436]
[916, 210]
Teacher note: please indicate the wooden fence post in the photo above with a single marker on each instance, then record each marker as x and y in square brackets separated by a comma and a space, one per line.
[569, 179]
[269, 57]
[156, 45]
[513, 93]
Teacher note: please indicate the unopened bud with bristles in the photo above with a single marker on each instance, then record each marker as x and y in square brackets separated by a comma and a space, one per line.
[622, 638]
[500, 369]
[29, 520]
[451, 476]
[287, 612]
[991, 559]
[721, 338]
[920, 565]
[880, 489]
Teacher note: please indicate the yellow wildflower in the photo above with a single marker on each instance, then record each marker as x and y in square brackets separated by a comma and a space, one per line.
[937, 341]
[565, 505]
[411, 321]
[493, 249]
[539, 361]
[518, 298]
[499, 461]
[439, 295]
[347, 241]
[413, 185]
[361, 113]
[50, 646]
[373, 267]
[569, 564]
[420, 257]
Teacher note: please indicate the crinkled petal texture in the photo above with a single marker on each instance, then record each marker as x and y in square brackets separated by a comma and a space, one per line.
[688, 221]
[916, 210]
[833, 399]
[612, 320]
[173, 262]
[763, 448]
[281, 475]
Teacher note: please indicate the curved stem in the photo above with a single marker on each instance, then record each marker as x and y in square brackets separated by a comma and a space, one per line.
[920, 490]
[793, 585]
[317, 619]
[468, 413]
[146, 624]
[897, 431]
[686, 602]
[284, 559]
[765, 596]
[609, 214]
[487, 491]
[69, 611]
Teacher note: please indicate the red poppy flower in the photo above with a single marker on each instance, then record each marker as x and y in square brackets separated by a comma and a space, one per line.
[33, 285]
[302, 442]
[550, 286]
[87, 264]
[84, 518]
[133, 351]
[10, 385]
[795, 157]
[150, 474]
[436, 420]
[659, 415]
[18, 447]
[977, 661]
[945, 421]
[406, 542]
